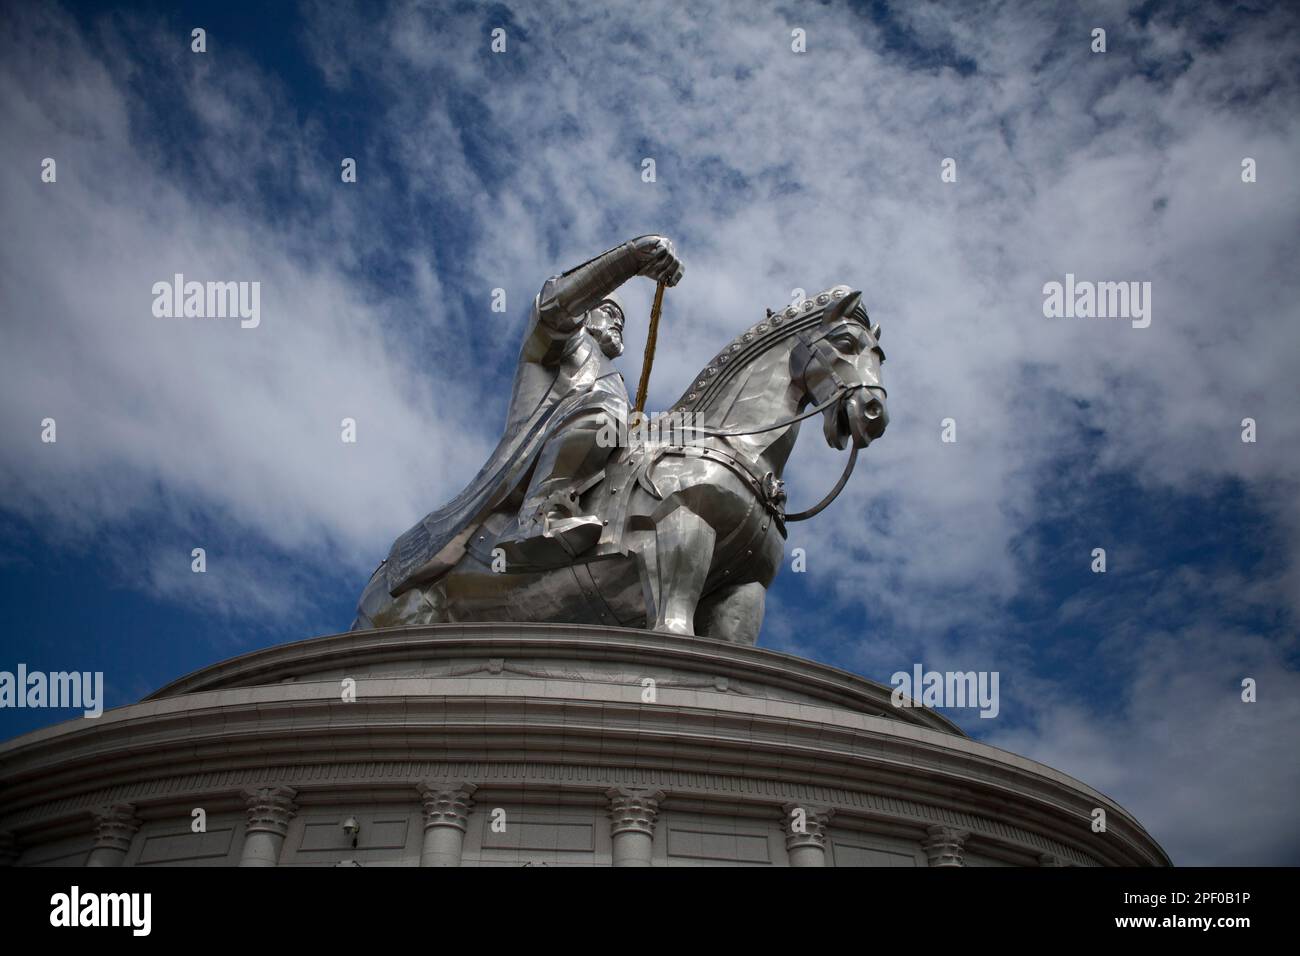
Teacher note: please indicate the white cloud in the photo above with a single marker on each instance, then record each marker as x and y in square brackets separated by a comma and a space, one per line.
[244, 422]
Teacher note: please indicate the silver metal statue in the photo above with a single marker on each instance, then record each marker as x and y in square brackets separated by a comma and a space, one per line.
[584, 516]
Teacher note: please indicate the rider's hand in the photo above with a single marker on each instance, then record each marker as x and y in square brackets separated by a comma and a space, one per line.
[658, 261]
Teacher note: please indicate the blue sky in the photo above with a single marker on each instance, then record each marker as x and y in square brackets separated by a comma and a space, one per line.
[775, 171]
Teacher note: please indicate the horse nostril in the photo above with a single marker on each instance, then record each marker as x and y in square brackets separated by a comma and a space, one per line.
[873, 409]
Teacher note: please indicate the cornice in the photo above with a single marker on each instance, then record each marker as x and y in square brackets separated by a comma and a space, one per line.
[734, 662]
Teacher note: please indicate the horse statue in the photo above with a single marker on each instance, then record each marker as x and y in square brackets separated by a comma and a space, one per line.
[690, 515]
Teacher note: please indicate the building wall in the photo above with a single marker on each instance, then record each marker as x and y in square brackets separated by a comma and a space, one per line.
[502, 830]
[849, 848]
[174, 843]
[389, 836]
[524, 823]
[72, 851]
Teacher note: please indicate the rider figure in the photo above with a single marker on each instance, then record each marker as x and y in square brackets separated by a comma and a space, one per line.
[575, 330]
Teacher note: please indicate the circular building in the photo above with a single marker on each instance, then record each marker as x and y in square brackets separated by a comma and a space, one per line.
[537, 744]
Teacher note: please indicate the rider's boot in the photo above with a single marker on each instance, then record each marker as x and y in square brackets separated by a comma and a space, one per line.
[552, 533]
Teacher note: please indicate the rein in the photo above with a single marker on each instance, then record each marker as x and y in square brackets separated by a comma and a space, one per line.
[834, 492]
[722, 433]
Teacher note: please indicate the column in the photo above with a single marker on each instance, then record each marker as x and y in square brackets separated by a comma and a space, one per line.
[632, 814]
[805, 833]
[447, 806]
[269, 811]
[8, 848]
[945, 846]
[115, 827]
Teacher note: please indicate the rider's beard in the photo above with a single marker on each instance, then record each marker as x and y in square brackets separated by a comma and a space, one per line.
[611, 343]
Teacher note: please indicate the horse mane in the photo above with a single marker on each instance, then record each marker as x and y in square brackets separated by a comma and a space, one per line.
[753, 342]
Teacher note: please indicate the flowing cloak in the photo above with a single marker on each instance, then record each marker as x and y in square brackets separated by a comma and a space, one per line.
[560, 375]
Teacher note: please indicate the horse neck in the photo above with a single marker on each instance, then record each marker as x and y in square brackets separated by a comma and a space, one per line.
[761, 394]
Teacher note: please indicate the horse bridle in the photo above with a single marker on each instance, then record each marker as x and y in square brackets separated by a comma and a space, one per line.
[811, 347]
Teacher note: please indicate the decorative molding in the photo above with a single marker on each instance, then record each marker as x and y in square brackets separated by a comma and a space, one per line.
[633, 810]
[701, 657]
[270, 809]
[617, 676]
[945, 846]
[115, 826]
[807, 828]
[446, 804]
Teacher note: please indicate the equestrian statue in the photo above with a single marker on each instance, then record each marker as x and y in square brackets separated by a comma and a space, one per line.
[588, 513]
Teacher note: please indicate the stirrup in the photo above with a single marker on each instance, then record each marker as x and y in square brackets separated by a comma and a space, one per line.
[558, 543]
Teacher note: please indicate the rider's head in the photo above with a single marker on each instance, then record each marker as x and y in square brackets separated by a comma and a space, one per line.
[605, 323]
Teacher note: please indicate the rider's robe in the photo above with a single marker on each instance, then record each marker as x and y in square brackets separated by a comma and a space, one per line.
[562, 372]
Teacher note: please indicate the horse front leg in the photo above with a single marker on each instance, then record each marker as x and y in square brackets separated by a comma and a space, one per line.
[734, 613]
[683, 553]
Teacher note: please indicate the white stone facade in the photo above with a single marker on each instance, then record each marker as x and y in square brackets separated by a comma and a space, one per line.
[555, 745]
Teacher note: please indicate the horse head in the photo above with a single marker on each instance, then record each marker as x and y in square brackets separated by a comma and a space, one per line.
[841, 355]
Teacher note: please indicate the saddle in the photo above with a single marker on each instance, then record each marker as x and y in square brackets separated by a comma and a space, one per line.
[566, 545]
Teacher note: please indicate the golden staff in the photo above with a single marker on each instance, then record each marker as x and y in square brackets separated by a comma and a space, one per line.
[649, 358]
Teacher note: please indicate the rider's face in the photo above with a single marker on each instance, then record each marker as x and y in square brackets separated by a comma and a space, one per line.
[606, 325]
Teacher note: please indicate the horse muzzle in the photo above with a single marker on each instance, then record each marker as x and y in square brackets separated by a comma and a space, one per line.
[862, 415]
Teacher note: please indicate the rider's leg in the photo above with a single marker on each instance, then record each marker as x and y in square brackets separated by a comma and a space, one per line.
[550, 530]
[568, 460]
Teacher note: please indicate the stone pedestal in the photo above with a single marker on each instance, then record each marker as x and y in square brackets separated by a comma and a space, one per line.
[554, 722]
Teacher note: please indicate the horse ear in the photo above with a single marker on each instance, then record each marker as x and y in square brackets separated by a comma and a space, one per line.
[841, 307]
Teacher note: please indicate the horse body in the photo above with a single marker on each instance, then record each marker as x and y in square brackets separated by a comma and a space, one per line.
[694, 530]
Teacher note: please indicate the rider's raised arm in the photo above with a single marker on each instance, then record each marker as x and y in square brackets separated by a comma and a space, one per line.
[565, 299]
